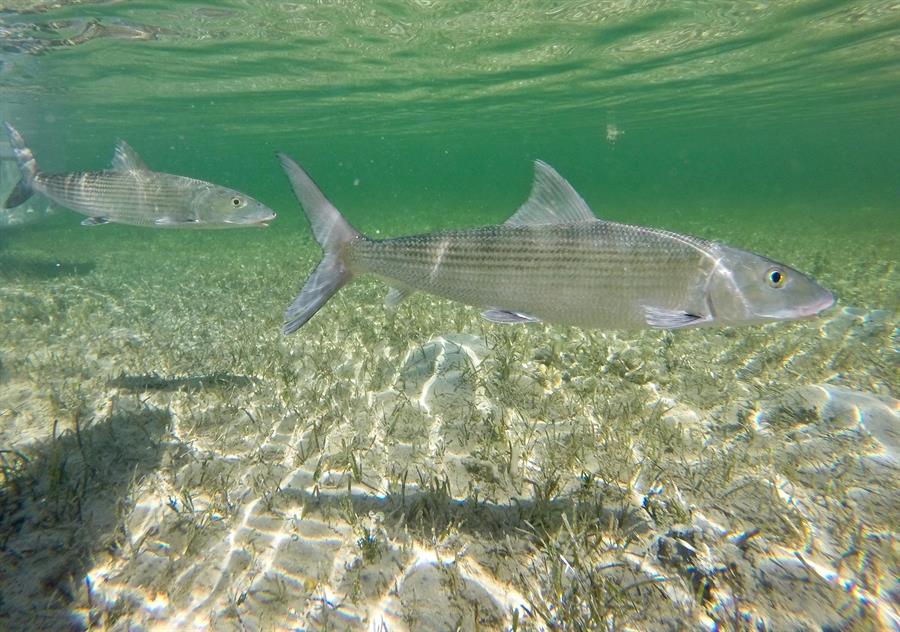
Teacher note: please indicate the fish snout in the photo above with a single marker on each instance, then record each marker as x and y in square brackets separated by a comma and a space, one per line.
[813, 308]
[828, 299]
[810, 307]
[262, 217]
[267, 217]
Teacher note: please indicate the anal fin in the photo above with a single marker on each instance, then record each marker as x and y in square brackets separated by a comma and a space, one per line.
[95, 221]
[508, 317]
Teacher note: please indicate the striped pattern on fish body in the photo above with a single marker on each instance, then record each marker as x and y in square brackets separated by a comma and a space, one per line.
[130, 193]
[139, 198]
[588, 274]
[554, 261]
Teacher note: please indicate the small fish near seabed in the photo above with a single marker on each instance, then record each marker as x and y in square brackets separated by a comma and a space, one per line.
[130, 193]
[555, 261]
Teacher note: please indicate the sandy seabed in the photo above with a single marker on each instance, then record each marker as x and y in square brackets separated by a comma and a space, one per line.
[170, 461]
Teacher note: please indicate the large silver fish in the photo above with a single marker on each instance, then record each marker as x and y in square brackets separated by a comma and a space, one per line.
[554, 261]
[130, 193]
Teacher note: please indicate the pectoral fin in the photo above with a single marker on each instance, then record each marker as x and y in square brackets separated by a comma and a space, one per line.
[670, 318]
[95, 221]
[506, 317]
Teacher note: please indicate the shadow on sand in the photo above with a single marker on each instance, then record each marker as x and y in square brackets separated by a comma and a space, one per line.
[61, 503]
[15, 267]
[190, 383]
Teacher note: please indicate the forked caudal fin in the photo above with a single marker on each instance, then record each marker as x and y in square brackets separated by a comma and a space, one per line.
[333, 233]
[27, 165]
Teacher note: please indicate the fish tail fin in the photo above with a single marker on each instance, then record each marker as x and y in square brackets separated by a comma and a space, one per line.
[333, 233]
[27, 165]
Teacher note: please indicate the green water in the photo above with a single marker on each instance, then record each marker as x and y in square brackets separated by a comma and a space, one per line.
[769, 126]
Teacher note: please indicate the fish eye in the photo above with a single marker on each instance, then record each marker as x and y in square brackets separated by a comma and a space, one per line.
[775, 277]
[236, 202]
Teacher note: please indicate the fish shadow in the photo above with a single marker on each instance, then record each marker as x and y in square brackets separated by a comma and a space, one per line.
[190, 383]
[523, 529]
[62, 503]
[13, 267]
[434, 510]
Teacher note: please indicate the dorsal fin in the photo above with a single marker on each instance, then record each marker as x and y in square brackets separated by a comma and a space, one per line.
[126, 159]
[552, 201]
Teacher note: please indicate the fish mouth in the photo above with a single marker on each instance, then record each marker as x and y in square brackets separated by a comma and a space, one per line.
[807, 311]
[821, 305]
[263, 222]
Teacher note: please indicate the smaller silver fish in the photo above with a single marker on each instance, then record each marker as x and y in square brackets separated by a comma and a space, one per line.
[130, 193]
